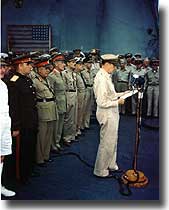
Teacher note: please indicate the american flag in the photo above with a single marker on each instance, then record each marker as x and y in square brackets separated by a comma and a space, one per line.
[24, 38]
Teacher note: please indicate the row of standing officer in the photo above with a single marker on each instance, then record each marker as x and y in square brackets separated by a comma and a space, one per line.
[44, 108]
[71, 87]
[76, 97]
[147, 69]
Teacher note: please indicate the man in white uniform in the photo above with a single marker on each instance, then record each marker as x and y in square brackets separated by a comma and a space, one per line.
[5, 125]
[108, 117]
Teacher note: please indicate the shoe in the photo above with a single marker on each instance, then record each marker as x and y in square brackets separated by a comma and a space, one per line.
[49, 160]
[79, 133]
[115, 169]
[67, 143]
[105, 177]
[7, 193]
[60, 148]
[75, 140]
[55, 151]
[41, 164]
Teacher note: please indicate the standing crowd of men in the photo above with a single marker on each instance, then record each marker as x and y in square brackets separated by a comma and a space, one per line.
[51, 101]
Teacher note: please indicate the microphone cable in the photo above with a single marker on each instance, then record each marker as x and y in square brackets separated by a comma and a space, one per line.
[124, 189]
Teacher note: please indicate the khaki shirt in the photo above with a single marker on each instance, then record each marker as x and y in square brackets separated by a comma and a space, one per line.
[87, 77]
[122, 75]
[69, 78]
[47, 111]
[80, 83]
[59, 89]
[152, 78]
[104, 91]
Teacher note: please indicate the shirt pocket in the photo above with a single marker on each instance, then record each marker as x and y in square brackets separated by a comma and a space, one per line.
[47, 112]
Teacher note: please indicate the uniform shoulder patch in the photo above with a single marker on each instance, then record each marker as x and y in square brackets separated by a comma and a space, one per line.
[14, 78]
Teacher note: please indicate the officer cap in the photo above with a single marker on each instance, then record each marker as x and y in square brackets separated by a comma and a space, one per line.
[35, 55]
[25, 58]
[128, 55]
[110, 58]
[146, 59]
[11, 55]
[137, 55]
[3, 55]
[70, 58]
[53, 50]
[42, 62]
[121, 56]
[77, 50]
[58, 57]
[155, 61]
[94, 51]
[138, 61]
[3, 62]
[45, 56]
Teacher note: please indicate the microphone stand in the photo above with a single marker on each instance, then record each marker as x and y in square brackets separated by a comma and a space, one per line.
[133, 177]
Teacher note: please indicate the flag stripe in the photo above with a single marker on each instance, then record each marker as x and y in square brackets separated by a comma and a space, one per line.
[29, 37]
[19, 30]
[30, 46]
[26, 42]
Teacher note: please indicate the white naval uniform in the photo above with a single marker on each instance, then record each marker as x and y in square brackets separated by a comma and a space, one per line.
[5, 132]
[5, 121]
[108, 117]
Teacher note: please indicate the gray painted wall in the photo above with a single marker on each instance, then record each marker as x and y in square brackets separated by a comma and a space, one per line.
[116, 26]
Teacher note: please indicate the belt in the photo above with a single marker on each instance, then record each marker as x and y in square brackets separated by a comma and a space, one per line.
[123, 81]
[70, 90]
[153, 84]
[45, 99]
[89, 85]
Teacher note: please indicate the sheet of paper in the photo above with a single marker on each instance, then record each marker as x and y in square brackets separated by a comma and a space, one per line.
[128, 94]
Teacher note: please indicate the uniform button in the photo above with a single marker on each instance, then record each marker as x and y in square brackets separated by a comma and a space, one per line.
[33, 92]
[30, 86]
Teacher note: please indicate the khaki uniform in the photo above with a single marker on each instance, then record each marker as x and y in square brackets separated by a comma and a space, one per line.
[130, 67]
[122, 84]
[152, 83]
[94, 69]
[47, 115]
[59, 89]
[88, 81]
[32, 74]
[69, 131]
[139, 72]
[108, 117]
[81, 94]
[146, 69]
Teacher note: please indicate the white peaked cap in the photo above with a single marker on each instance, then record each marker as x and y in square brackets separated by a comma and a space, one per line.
[109, 57]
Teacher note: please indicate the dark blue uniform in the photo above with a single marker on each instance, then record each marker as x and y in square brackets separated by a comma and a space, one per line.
[23, 113]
